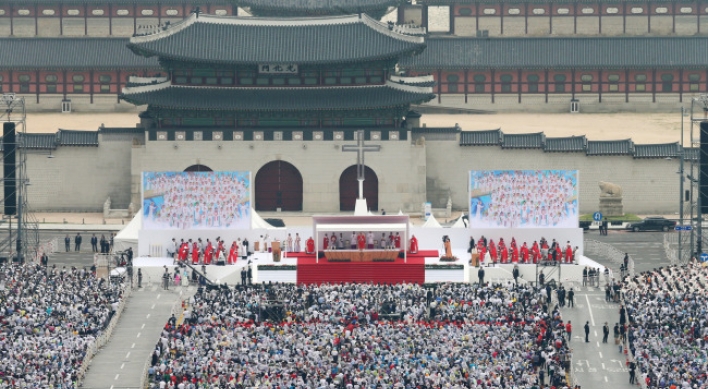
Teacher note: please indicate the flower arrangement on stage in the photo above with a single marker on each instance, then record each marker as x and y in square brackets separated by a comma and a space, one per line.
[448, 259]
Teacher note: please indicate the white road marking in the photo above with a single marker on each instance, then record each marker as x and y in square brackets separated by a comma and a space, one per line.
[595, 331]
[133, 346]
[153, 306]
[605, 378]
[117, 375]
[127, 356]
[143, 326]
[148, 316]
[600, 355]
[158, 296]
[603, 366]
[138, 334]
[122, 366]
[592, 319]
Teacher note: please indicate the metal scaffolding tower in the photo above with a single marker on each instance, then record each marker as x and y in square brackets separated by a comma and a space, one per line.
[19, 236]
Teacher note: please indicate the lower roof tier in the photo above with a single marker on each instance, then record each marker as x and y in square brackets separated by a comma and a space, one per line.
[166, 95]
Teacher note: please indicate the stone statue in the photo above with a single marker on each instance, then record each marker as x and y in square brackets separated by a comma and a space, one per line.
[608, 189]
[107, 207]
[610, 199]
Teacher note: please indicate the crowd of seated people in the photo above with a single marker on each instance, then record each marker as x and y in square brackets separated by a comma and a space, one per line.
[49, 318]
[666, 314]
[540, 251]
[364, 336]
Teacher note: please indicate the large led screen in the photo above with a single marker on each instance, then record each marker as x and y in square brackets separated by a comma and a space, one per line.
[523, 198]
[196, 200]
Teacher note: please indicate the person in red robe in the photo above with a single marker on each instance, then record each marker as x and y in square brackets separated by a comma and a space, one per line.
[514, 254]
[325, 243]
[184, 251]
[504, 253]
[208, 252]
[195, 254]
[535, 252]
[397, 241]
[481, 250]
[233, 252]
[414, 245]
[310, 246]
[569, 254]
[524, 253]
[361, 241]
[492, 251]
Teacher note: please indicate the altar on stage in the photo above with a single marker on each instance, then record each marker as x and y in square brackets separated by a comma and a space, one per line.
[361, 255]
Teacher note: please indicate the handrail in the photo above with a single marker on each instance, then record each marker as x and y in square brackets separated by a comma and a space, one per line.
[104, 337]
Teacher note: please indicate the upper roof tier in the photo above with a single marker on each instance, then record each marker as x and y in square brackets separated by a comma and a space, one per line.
[248, 40]
[166, 95]
[376, 8]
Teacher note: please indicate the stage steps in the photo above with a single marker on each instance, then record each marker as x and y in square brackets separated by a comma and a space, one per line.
[361, 272]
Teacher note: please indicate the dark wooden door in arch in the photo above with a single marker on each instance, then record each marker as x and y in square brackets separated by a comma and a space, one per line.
[349, 189]
[198, 168]
[278, 185]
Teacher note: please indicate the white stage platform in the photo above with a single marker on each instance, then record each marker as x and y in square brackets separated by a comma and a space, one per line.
[436, 271]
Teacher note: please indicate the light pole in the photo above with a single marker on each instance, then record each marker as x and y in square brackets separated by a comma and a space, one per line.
[681, 178]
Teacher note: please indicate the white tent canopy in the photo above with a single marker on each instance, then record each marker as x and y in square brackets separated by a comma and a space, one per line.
[459, 223]
[128, 236]
[432, 223]
[258, 222]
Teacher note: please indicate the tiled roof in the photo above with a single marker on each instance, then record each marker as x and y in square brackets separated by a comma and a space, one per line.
[668, 150]
[565, 144]
[540, 53]
[320, 7]
[462, 2]
[114, 2]
[691, 153]
[121, 130]
[248, 40]
[610, 147]
[38, 141]
[72, 53]
[436, 130]
[480, 138]
[277, 99]
[522, 141]
[77, 138]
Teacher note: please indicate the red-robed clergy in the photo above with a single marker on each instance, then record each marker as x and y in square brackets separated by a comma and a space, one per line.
[535, 252]
[569, 254]
[414, 245]
[208, 253]
[482, 250]
[183, 251]
[514, 254]
[397, 241]
[559, 253]
[220, 248]
[195, 253]
[504, 253]
[524, 253]
[233, 252]
[513, 242]
[325, 243]
[361, 241]
[492, 250]
[310, 246]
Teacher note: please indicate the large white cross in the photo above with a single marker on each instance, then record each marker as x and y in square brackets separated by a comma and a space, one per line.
[360, 149]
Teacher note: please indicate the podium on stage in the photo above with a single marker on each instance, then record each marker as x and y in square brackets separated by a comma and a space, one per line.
[275, 246]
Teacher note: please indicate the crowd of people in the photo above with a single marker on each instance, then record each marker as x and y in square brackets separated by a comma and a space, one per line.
[364, 336]
[666, 313]
[541, 251]
[49, 318]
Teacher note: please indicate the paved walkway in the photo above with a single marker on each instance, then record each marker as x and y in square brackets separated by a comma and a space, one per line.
[120, 363]
[596, 364]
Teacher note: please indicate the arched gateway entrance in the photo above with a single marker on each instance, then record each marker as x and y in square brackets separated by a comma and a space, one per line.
[349, 189]
[278, 185]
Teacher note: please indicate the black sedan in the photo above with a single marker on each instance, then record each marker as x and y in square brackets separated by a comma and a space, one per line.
[652, 223]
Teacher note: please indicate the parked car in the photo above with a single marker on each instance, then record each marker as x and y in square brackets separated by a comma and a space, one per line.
[652, 223]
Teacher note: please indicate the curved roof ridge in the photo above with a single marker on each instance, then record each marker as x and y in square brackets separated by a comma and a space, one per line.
[171, 30]
[384, 29]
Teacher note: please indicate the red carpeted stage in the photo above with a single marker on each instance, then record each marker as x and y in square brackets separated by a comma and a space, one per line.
[410, 271]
